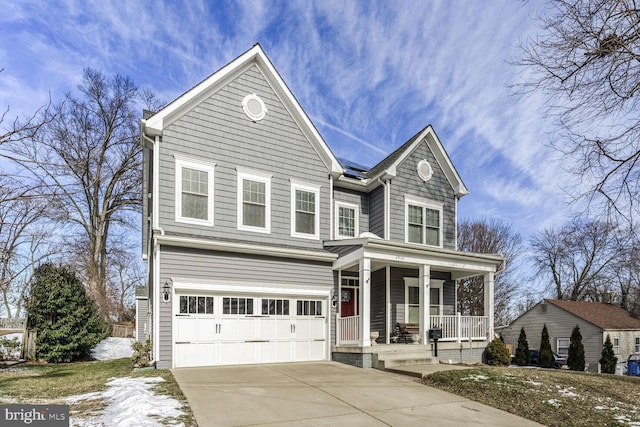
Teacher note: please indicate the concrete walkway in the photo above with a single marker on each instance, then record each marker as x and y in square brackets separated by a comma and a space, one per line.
[325, 393]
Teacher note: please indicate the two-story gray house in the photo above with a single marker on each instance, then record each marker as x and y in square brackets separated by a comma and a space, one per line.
[263, 247]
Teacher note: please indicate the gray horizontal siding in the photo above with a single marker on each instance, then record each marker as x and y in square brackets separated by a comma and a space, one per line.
[376, 212]
[437, 189]
[217, 131]
[142, 326]
[216, 266]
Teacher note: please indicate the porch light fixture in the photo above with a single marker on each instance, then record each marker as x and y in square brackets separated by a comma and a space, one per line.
[334, 300]
[166, 291]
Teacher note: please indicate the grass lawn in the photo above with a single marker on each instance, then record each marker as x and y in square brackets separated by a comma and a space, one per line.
[52, 383]
[550, 397]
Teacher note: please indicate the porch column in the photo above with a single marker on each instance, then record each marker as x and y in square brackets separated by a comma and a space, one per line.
[365, 303]
[489, 301]
[424, 280]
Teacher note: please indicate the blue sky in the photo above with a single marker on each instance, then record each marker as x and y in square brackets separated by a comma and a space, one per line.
[370, 74]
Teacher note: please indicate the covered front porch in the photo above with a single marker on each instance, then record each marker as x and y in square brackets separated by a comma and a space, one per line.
[383, 284]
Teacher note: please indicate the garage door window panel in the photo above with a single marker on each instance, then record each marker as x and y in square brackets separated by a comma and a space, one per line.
[275, 307]
[233, 305]
[309, 308]
[194, 304]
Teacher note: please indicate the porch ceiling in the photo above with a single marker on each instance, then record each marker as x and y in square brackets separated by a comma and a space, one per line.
[385, 253]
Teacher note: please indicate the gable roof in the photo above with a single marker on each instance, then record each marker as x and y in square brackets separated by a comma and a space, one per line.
[154, 124]
[389, 164]
[604, 316]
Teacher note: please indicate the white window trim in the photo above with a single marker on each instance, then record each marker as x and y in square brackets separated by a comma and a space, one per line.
[295, 185]
[182, 162]
[558, 346]
[356, 228]
[637, 345]
[616, 348]
[258, 177]
[423, 203]
[433, 284]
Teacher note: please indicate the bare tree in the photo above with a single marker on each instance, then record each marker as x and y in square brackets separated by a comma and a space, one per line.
[579, 259]
[19, 129]
[88, 161]
[627, 277]
[127, 273]
[23, 244]
[490, 236]
[586, 60]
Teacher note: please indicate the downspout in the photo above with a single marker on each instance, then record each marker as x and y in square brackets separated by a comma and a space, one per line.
[331, 208]
[386, 208]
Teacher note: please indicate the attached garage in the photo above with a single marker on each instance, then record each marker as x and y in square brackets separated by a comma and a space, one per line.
[242, 326]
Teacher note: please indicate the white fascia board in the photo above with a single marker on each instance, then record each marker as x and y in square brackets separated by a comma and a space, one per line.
[439, 153]
[243, 287]
[348, 260]
[292, 104]
[154, 125]
[246, 248]
[445, 163]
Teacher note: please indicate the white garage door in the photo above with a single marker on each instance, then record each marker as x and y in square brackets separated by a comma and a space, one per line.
[229, 330]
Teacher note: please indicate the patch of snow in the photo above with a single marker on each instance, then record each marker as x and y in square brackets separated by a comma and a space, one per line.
[113, 348]
[476, 377]
[130, 402]
[600, 408]
[553, 402]
[566, 392]
[536, 383]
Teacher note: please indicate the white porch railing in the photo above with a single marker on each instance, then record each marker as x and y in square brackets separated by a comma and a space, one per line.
[347, 329]
[461, 328]
[454, 328]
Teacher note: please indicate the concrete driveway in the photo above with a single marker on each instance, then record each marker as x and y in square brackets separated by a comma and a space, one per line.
[325, 393]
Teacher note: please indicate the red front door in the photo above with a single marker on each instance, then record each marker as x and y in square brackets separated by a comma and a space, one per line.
[348, 302]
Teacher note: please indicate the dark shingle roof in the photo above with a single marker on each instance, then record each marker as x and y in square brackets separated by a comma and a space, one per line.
[604, 316]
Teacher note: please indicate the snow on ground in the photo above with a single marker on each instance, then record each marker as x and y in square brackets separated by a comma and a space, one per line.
[130, 402]
[113, 348]
[476, 377]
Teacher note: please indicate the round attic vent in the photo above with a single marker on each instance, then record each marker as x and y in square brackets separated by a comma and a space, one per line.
[425, 171]
[254, 107]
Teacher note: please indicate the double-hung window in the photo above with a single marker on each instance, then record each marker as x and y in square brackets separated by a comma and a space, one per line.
[616, 345]
[423, 222]
[254, 201]
[562, 346]
[305, 205]
[637, 344]
[194, 192]
[346, 220]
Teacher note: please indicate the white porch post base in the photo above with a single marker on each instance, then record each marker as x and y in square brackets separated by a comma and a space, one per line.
[488, 302]
[365, 303]
[424, 280]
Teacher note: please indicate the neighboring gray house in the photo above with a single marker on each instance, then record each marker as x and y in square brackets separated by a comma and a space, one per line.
[143, 315]
[595, 320]
[263, 247]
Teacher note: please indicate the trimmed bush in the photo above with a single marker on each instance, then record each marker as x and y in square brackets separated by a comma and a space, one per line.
[523, 357]
[66, 320]
[545, 356]
[608, 360]
[575, 360]
[497, 353]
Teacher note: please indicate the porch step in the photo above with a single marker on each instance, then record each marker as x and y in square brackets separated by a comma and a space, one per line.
[393, 360]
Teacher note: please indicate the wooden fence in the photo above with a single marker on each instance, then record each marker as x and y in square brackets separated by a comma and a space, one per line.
[122, 330]
[11, 323]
